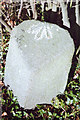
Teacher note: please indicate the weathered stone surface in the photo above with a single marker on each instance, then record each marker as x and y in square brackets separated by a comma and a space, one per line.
[38, 62]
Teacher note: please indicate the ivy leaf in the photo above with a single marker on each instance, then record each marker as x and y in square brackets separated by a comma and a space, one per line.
[56, 104]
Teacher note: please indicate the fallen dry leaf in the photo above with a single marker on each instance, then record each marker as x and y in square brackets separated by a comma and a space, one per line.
[4, 114]
[1, 83]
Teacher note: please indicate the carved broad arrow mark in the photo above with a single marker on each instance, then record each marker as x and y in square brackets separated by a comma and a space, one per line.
[40, 31]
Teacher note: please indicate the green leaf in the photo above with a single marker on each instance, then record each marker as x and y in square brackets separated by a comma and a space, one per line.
[56, 104]
[32, 115]
[25, 113]
[49, 113]
[39, 106]
[19, 112]
[54, 114]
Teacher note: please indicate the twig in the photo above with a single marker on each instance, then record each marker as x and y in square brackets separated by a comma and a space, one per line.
[6, 18]
[20, 9]
[4, 23]
[62, 108]
[3, 13]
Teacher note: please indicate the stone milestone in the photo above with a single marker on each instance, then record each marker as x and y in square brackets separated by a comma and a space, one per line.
[38, 62]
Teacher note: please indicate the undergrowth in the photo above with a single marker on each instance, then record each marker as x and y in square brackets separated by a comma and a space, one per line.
[64, 107]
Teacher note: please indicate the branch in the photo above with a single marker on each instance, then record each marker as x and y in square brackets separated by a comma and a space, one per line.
[20, 9]
[64, 14]
[6, 18]
[4, 23]
[49, 4]
[77, 13]
[32, 3]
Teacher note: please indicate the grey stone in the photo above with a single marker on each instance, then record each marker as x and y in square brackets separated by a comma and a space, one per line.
[38, 62]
